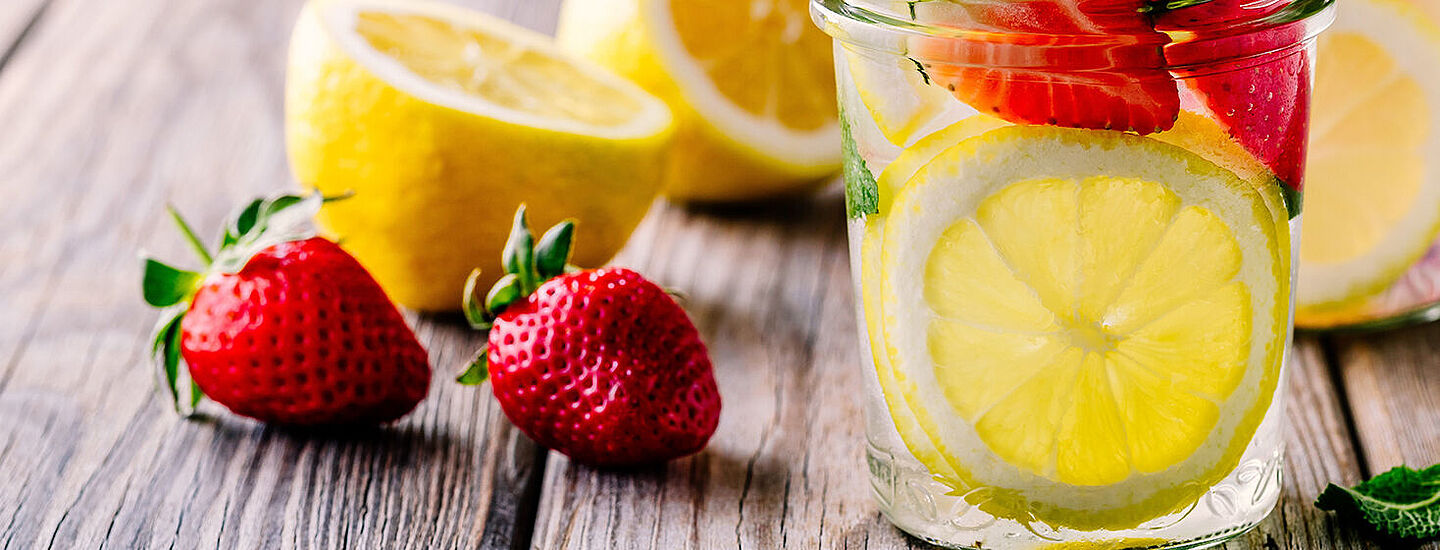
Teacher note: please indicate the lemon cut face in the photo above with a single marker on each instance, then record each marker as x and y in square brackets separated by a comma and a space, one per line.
[505, 72]
[441, 120]
[1090, 323]
[479, 65]
[1372, 189]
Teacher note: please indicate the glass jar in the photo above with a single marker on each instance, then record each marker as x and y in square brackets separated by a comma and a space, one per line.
[1071, 236]
[1370, 256]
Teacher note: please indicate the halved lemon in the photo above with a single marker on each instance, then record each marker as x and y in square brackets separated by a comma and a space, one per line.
[441, 121]
[752, 83]
[1089, 324]
[1372, 185]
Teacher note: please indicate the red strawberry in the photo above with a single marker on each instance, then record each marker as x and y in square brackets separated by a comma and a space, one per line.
[295, 332]
[601, 365]
[1093, 64]
[1260, 88]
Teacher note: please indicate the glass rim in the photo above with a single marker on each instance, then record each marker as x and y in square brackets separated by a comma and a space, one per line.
[1235, 45]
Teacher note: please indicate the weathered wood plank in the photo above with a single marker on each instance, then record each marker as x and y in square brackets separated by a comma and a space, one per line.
[1392, 381]
[1393, 391]
[118, 107]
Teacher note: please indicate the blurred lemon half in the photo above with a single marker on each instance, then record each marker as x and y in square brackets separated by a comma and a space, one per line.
[1372, 184]
[442, 121]
[751, 83]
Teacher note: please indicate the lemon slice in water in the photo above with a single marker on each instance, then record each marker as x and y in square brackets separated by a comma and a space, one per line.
[1091, 324]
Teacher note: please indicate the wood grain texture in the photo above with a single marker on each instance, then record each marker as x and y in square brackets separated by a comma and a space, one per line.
[1392, 382]
[124, 106]
[121, 106]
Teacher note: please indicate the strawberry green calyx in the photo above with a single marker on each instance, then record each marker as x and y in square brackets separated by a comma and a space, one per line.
[528, 264]
[261, 223]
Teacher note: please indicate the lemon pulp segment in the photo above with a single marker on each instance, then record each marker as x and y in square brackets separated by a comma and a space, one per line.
[472, 61]
[764, 56]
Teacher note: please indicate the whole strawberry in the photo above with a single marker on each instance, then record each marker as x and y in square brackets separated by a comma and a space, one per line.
[283, 328]
[601, 365]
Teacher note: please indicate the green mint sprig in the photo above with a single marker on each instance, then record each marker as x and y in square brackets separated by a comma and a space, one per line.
[862, 194]
[1400, 504]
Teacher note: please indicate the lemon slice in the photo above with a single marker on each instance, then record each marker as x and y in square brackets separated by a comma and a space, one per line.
[441, 121]
[891, 180]
[1372, 187]
[1201, 135]
[1089, 323]
[900, 97]
[899, 171]
[751, 81]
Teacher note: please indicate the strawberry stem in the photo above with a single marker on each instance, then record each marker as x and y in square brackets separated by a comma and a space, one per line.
[195, 243]
[527, 266]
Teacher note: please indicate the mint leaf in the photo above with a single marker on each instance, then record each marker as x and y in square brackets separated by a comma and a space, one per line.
[1401, 503]
[862, 195]
[1294, 200]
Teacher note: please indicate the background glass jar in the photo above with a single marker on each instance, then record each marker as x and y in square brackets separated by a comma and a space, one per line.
[1071, 233]
[1370, 256]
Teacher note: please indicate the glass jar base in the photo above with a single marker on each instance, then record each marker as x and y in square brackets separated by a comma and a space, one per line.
[918, 505]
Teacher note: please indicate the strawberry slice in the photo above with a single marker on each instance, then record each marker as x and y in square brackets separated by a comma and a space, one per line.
[1262, 97]
[1095, 64]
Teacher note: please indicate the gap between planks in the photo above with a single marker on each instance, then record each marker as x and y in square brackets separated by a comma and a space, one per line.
[17, 19]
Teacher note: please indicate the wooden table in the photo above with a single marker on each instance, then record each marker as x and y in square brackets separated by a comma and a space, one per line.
[111, 108]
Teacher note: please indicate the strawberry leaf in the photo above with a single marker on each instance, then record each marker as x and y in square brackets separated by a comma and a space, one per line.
[266, 222]
[477, 370]
[862, 194]
[165, 286]
[553, 251]
[1402, 503]
[165, 350]
[519, 255]
[475, 313]
[504, 293]
[243, 223]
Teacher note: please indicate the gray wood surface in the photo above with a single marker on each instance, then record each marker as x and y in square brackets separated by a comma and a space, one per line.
[113, 108]
[1392, 382]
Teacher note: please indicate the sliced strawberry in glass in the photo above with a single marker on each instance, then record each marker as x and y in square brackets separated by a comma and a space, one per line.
[1262, 95]
[1095, 64]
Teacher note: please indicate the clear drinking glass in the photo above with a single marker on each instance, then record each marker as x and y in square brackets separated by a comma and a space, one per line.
[1370, 257]
[1071, 234]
